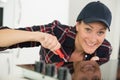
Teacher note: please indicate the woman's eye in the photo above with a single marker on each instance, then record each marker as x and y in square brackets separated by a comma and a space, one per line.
[101, 33]
[88, 29]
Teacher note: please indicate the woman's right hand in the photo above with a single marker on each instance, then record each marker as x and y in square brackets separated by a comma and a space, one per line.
[49, 41]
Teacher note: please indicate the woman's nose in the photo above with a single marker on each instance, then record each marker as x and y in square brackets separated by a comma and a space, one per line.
[93, 38]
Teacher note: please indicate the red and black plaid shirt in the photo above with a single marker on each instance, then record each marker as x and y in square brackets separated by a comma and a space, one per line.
[66, 36]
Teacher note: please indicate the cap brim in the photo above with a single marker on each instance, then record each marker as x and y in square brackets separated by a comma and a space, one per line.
[89, 20]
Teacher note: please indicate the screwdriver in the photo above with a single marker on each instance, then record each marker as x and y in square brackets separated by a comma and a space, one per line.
[58, 51]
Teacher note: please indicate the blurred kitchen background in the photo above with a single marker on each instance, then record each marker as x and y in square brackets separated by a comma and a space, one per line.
[23, 13]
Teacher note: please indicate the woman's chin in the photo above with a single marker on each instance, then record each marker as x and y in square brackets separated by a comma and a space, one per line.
[90, 51]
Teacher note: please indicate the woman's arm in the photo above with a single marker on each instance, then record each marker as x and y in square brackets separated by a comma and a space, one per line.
[10, 37]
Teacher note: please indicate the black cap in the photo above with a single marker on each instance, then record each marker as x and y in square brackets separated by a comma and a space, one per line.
[96, 11]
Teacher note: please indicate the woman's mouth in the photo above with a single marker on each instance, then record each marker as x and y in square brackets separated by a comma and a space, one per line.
[90, 44]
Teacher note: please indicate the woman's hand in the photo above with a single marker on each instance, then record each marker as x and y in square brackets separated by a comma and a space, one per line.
[50, 42]
[95, 58]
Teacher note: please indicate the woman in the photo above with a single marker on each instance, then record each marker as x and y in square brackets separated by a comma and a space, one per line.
[85, 41]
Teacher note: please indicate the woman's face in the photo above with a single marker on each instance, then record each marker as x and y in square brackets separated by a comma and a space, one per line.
[89, 36]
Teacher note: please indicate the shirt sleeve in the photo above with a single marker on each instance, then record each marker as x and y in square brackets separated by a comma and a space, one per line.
[104, 52]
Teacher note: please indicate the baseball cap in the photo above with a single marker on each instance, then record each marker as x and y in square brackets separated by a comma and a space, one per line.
[96, 11]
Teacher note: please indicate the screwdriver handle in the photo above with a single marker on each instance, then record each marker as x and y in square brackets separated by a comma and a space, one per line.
[58, 51]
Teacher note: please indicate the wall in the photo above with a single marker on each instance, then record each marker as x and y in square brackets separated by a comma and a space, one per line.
[38, 12]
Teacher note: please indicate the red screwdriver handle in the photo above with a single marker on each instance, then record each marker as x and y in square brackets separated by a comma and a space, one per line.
[59, 53]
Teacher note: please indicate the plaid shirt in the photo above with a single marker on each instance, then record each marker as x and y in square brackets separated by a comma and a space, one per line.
[66, 36]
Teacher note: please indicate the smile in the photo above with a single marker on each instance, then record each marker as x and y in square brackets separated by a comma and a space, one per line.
[90, 44]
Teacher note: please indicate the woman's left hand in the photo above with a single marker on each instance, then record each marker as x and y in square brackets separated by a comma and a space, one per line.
[95, 58]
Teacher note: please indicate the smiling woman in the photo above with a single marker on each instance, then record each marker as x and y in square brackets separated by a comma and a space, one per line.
[90, 37]
[85, 41]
